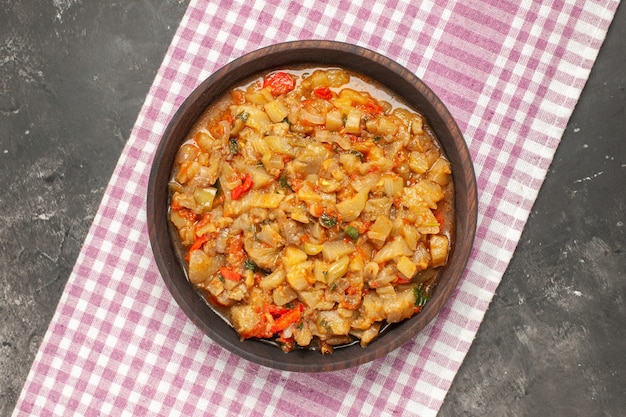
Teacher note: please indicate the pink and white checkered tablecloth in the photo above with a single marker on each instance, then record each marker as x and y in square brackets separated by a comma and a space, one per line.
[510, 72]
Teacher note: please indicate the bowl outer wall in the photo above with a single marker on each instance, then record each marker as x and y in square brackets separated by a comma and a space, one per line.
[321, 53]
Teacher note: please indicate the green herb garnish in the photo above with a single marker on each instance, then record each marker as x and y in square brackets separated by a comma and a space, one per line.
[250, 265]
[283, 181]
[359, 154]
[328, 221]
[352, 232]
[326, 325]
[233, 146]
[243, 116]
[420, 295]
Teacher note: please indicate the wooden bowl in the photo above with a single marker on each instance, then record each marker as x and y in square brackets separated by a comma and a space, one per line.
[321, 53]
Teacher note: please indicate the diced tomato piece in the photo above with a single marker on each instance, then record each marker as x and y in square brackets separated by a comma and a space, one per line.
[440, 219]
[204, 220]
[279, 83]
[402, 280]
[351, 290]
[275, 310]
[238, 96]
[323, 93]
[230, 275]
[371, 107]
[236, 254]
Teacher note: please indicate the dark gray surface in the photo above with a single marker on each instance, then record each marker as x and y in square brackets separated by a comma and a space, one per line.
[73, 76]
[553, 342]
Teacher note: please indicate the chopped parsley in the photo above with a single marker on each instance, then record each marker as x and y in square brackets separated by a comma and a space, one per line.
[283, 181]
[359, 154]
[420, 296]
[250, 265]
[328, 221]
[326, 325]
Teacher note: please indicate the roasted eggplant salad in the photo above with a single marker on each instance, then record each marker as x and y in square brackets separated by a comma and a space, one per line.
[314, 208]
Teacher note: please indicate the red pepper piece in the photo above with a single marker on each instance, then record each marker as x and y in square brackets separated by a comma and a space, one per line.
[287, 319]
[197, 244]
[230, 275]
[240, 190]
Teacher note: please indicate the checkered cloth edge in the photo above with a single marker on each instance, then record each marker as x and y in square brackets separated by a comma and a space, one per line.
[509, 71]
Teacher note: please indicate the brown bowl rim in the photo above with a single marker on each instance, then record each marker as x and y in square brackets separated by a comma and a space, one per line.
[323, 53]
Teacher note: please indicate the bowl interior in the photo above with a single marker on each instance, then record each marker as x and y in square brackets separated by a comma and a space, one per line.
[321, 53]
